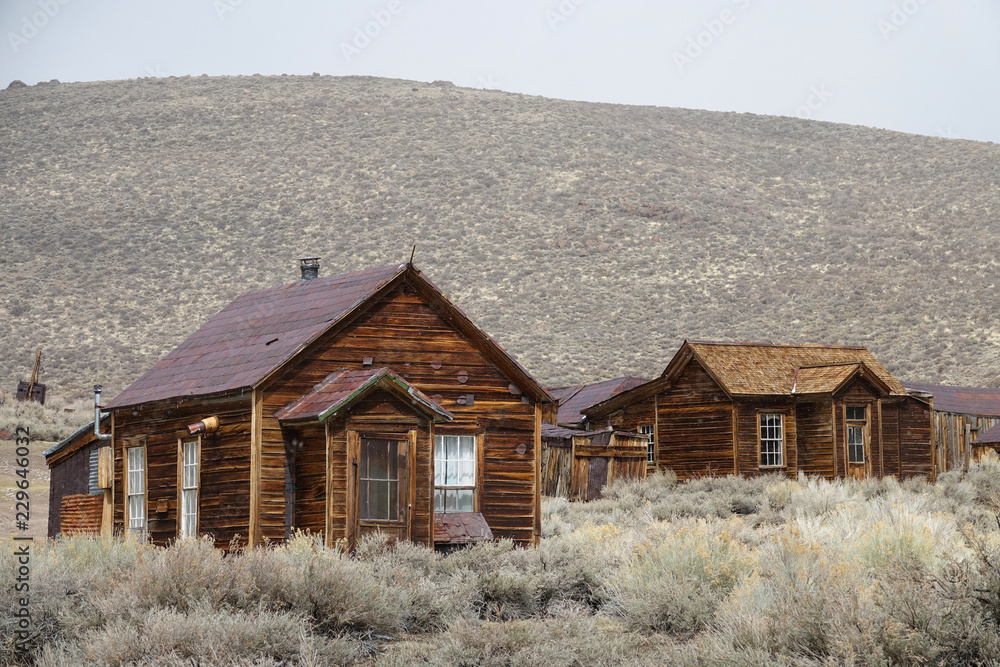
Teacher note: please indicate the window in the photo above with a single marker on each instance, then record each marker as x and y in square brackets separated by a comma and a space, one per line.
[454, 473]
[189, 489]
[379, 480]
[135, 489]
[857, 420]
[772, 439]
[647, 430]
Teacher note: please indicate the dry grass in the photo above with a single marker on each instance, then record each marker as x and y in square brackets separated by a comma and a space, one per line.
[589, 239]
[804, 572]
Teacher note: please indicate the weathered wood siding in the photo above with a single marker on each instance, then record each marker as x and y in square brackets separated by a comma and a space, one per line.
[557, 467]
[748, 435]
[224, 497]
[405, 334]
[953, 440]
[308, 442]
[814, 435]
[695, 426]
[915, 452]
[890, 437]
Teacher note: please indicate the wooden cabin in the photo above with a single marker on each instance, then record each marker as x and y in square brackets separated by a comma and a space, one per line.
[749, 408]
[960, 416]
[363, 402]
[578, 464]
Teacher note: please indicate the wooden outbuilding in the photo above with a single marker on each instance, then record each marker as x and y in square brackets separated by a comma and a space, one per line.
[578, 464]
[988, 440]
[751, 408]
[338, 405]
[79, 483]
[960, 416]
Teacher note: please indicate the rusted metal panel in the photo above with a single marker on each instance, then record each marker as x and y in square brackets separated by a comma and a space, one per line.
[461, 528]
[80, 514]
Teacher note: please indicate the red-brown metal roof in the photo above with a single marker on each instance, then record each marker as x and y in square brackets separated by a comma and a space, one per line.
[254, 335]
[342, 388]
[991, 437]
[962, 400]
[573, 400]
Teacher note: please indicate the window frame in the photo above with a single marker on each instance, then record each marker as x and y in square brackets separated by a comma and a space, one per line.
[863, 424]
[129, 493]
[761, 414]
[182, 488]
[475, 487]
[650, 441]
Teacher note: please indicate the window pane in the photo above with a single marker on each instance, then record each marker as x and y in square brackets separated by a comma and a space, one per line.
[856, 412]
[452, 442]
[451, 501]
[465, 501]
[451, 473]
[467, 445]
[439, 500]
[466, 473]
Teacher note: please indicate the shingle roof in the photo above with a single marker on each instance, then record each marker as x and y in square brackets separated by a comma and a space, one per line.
[769, 369]
[990, 437]
[821, 379]
[254, 335]
[342, 388]
[573, 400]
[962, 400]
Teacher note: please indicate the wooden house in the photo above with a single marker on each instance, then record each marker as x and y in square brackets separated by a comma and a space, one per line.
[960, 416]
[338, 405]
[748, 408]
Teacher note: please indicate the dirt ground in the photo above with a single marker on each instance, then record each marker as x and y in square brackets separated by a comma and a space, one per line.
[38, 490]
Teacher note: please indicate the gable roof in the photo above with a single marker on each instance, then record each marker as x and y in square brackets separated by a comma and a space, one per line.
[830, 379]
[573, 400]
[343, 388]
[990, 437]
[764, 369]
[768, 369]
[261, 330]
[983, 401]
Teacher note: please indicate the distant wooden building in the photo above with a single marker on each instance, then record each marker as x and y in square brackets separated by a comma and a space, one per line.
[578, 464]
[960, 416]
[747, 408]
[338, 405]
[988, 440]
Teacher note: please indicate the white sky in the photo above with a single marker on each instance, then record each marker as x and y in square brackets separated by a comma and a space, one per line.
[923, 66]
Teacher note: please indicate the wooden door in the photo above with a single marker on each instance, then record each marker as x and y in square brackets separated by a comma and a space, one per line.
[857, 451]
[597, 476]
[381, 487]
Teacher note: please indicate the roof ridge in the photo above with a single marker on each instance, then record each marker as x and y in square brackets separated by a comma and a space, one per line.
[830, 346]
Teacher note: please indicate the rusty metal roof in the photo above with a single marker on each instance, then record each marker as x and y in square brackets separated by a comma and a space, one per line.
[344, 387]
[254, 335]
[962, 400]
[461, 528]
[573, 400]
[990, 437]
[769, 369]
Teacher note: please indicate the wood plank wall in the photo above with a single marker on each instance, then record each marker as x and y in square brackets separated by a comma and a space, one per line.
[748, 435]
[69, 476]
[915, 451]
[814, 429]
[224, 507]
[695, 434]
[403, 333]
[951, 444]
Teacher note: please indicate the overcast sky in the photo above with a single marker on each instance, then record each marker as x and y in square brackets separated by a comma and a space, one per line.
[924, 66]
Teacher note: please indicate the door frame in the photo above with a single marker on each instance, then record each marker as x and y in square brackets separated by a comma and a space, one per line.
[407, 437]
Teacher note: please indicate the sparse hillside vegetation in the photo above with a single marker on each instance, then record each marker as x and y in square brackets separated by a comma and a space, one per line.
[723, 571]
[589, 239]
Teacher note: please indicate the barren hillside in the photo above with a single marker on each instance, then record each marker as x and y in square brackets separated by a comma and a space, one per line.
[589, 239]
